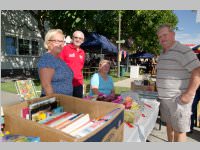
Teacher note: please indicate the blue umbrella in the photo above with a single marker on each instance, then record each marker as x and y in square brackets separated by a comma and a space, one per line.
[96, 43]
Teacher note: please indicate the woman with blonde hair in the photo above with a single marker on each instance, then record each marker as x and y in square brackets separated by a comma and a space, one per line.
[101, 82]
[55, 75]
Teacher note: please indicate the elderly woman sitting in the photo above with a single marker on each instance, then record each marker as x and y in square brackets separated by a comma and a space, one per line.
[101, 82]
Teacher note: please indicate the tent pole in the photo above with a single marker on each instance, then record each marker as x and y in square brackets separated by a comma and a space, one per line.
[127, 62]
[118, 61]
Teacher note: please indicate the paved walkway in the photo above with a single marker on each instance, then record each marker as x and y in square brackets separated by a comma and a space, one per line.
[161, 135]
[9, 98]
[127, 82]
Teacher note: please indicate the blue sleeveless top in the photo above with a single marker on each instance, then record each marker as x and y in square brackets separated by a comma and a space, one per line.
[104, 86]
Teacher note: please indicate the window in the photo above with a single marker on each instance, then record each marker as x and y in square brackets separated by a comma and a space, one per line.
[23, 47]
[10, 45]
[35, 48]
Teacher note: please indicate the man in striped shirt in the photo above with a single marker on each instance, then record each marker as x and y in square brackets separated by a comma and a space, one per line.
[176, 89]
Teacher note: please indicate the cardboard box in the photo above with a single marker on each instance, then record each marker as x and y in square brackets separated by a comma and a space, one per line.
[135, 87]
[110, 131]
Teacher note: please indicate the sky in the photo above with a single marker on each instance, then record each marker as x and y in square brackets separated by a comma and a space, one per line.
[189, 29]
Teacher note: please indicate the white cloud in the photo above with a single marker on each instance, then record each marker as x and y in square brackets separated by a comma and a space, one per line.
[186, 38]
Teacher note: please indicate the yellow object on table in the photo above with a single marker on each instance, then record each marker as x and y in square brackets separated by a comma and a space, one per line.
[131, 116]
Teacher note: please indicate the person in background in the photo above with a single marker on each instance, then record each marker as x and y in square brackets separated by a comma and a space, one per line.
[176, 72]
[74, 57]
[194, 106]
[101, 82]
[194, 110]
[153, 63]
[55, 75]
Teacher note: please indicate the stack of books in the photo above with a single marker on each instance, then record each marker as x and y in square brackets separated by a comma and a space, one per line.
[77, 125]
[49, 113]
[96, 123]
[41, 110]
[68, 122]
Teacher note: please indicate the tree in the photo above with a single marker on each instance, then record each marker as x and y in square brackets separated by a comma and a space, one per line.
[138, 26]
[41, 17]
[141, 25]
[71, 20]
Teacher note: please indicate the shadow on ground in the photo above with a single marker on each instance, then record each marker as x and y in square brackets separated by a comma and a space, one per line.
[195, 135]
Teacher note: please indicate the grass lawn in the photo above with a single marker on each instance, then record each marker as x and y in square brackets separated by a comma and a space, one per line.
[10, 86]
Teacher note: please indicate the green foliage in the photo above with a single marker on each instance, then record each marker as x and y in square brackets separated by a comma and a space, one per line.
[140, 25]
[8, 87]
[71, 20]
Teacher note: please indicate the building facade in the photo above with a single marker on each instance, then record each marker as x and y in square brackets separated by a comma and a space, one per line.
[21, 43]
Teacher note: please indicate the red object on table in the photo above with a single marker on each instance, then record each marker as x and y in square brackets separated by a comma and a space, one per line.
[147, 105]
[130, 125]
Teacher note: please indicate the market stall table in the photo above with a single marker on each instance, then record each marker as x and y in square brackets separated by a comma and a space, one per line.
[143, 127]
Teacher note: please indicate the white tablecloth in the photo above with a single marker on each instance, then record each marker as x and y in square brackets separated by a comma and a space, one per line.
[143, 127]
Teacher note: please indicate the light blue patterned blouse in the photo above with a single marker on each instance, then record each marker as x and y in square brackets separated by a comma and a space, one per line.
[62, 79]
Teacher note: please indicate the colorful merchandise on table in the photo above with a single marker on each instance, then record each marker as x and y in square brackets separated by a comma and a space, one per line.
[132, 110]
[18, 138]
[107, 98]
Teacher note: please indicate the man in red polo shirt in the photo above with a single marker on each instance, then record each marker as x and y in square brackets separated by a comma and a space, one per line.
[74, 57]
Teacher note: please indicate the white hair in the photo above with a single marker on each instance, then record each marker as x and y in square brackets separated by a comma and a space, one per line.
[50, 34]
